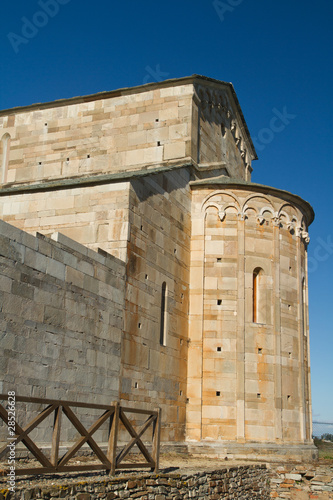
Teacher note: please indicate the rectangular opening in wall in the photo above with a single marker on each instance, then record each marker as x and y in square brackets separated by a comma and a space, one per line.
[218, 393]
[258, 395]
[163, 319]
[219, 349]
[219, 302]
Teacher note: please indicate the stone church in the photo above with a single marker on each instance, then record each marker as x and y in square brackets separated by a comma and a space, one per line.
[139, 263]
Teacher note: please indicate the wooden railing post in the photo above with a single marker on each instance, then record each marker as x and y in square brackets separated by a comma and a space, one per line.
[113, 436]
[56, 436]
[156, 439]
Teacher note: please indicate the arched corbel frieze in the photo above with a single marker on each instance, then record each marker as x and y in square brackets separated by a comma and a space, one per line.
[290, 219]
[262, 214]
[209, 199]
[257, 196]
[293, 224]
[221, 209]
[247, 206]
[221, 206]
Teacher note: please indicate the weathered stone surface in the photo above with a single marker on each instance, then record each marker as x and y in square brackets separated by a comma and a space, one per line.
[171, 280]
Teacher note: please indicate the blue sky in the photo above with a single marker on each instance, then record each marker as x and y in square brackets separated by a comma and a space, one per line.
[277, 54]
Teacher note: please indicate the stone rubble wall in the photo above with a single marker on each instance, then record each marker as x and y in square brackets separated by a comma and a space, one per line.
[302, 483]
[242, 483]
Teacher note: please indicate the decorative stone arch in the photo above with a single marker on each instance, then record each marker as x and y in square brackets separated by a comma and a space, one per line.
[248, 207]
[285, 206]
[220, 192]
[291, 220]
[291, 214]
[256, 195]
[263, 212]
[222, 206]
[4, 157]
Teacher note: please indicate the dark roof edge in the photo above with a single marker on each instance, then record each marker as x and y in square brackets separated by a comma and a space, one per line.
[109, 93]
[252, 186]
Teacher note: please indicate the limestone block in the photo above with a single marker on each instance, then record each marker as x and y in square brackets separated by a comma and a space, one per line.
[178, 131]
[137, 138]
[134, 157]
[169, 113]
[135, 354]
[153, 155]
[35, 261]
[5, 283]
[211, 412]
[55, 269]
[174, 150]
[158, 134]
[74, 277]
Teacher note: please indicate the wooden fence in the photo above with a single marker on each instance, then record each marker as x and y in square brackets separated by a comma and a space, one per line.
[109, 461]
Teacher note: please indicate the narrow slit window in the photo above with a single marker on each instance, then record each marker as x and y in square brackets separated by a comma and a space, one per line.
[304, 315]
[258, 297]
[163, 324]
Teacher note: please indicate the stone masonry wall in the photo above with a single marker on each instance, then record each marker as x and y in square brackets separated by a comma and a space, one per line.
[158, 252]
[61, 318]
[252, 380]
[95, 216]
[242, 483]
[114, 134]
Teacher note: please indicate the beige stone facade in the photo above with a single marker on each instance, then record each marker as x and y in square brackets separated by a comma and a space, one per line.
[215, 311]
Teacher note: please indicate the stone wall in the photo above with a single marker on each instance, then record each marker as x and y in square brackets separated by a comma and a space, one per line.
[95, 216]
[302, 482]
[61, 318]
[194, 118]
[221, 137]
[242, 483]
[110, 133]
[248, 373]
[154, 372]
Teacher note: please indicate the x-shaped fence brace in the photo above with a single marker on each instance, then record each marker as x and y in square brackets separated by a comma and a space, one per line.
[110, 461]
